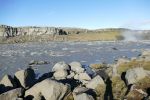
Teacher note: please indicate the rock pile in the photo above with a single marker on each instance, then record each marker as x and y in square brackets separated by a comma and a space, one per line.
[73, 82]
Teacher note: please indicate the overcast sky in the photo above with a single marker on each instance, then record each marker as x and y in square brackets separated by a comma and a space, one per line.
[92, 14]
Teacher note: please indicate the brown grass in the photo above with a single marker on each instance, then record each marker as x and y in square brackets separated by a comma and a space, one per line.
[132, 64]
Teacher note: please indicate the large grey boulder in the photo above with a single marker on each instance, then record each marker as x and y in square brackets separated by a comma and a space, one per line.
[11, 95]
[49, 89]
[60, 74]
[76, 67]
[135, 74]
[93, 84]
[83, 96]
[84, 76]
[25, 78]
[79, 93]
[7, 81]
[71, 75]
[60, 66]
[79, 90]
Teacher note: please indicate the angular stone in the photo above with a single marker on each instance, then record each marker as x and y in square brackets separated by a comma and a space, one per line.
[11, 95]
[7, 81]
[95, 82]
[83, 96]
[49, 89]
[76, 67]
[60, 74]
[134, 75]
[60, 66]
[25, 78]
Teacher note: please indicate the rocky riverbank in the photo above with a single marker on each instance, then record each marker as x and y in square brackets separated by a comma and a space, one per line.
[125, 79]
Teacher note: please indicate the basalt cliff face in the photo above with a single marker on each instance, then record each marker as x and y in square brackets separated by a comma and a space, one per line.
[8, 31]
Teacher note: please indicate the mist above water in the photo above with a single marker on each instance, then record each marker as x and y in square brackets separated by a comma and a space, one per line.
[132, 36]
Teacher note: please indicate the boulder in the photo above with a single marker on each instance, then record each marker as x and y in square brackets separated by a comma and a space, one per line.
[71, 75]
[49, 89]
[79, 90]
[134, 75]
[122, 61]
[98, 85]
[83, 96]
[60, 66]
[25, 78]
[146, 53]
[84, 76]
[7, 83]
[95, 82]
[76, 67]
[12, 94]
[76, 76]
[60, 74]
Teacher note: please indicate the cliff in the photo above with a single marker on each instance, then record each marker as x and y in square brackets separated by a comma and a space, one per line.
[8, 31]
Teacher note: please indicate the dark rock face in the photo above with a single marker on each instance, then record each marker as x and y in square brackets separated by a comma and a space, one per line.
[8, 31]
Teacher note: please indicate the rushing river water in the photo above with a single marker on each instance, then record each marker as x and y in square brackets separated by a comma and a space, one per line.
[17, 56]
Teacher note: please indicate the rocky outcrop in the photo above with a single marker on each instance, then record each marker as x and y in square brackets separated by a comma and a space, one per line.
[8, 31]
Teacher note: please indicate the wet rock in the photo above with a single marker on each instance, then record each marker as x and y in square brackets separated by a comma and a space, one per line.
[33, 62]
[11, 95]
[60, 74]
[60, 66]
[49, 89]
[76, 67]
[134, 75]
[25, 78]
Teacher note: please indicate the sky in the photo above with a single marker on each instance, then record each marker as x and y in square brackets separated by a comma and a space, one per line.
[91, 14]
